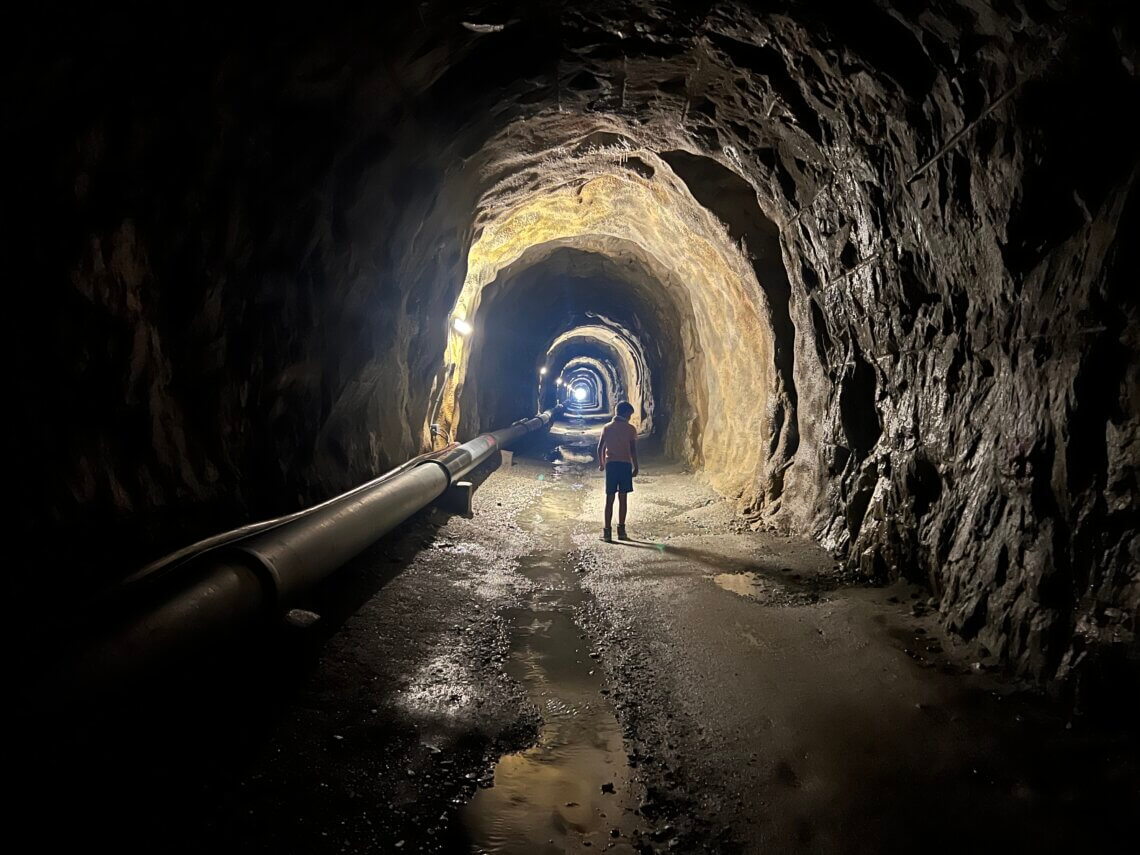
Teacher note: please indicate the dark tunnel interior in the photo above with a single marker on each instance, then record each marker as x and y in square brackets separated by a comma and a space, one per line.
[544, 313]
[323, 314]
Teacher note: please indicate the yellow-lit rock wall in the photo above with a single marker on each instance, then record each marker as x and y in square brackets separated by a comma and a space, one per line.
[594, 202]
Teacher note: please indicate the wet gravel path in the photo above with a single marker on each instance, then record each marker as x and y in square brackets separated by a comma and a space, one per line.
[508, 683]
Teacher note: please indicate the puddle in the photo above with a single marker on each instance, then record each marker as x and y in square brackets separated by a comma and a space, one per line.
[755, 586]
[576, 454]
[554, 586]
[574, 788]
[558, 508]
[550, 797]
[745, 584]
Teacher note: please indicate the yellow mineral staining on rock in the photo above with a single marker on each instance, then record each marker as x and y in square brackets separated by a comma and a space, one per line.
[594, 202]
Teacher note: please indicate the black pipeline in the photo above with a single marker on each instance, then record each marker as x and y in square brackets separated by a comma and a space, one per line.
[260, 571]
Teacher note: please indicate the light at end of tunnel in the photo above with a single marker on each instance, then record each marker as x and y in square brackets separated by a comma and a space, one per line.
[461, 326]
[580, 393]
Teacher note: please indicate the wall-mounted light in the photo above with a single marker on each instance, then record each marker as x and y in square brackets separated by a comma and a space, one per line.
[542, 370]
[461, 326]
[557, 381]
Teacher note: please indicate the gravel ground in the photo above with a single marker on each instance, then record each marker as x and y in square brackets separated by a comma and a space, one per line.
[761, 701]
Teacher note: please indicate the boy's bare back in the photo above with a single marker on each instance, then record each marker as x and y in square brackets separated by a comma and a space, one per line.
[617, 442]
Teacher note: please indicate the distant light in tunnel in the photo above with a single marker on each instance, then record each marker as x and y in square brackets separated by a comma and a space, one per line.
[580, 393]
[461, 326]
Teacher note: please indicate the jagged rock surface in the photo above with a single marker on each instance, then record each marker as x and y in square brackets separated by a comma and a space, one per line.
[236, 258]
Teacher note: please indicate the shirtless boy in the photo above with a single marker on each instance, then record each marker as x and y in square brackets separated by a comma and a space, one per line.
[617, 457]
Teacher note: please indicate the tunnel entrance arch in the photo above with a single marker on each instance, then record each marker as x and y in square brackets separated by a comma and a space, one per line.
[548, 306]
[705, 299]
[642, 206]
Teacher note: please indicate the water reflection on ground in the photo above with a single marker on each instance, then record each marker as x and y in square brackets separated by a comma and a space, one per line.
[574, 788]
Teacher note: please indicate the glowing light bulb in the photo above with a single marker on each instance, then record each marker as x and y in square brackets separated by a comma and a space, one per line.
[557, 381]
[461, 326]
[542, 370]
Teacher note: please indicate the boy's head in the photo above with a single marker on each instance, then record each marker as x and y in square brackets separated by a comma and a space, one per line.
[624, 410]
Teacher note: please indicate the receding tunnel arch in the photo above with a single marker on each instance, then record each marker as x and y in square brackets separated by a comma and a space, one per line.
[609, 342]
[600, 378]
[531, 310]
[672, 258]
[589, 387]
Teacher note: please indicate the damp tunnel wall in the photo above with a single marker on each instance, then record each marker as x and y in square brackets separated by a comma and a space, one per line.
[237, 268]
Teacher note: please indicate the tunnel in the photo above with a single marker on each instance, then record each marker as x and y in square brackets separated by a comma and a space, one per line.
[865, 274]
[541, 318]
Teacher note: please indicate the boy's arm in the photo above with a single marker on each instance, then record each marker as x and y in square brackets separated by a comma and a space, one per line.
[602, 450]
[633, 452]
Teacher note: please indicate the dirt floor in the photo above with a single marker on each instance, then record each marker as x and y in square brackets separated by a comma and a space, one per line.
[509, 683]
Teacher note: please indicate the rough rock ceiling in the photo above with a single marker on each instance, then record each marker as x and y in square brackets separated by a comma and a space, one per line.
[261, 230]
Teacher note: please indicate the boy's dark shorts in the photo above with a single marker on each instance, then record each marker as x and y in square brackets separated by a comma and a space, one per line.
[619, 477]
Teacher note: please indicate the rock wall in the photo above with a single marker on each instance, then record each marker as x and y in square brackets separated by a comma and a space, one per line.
[235, 266]
[236, 244]
[954, 265]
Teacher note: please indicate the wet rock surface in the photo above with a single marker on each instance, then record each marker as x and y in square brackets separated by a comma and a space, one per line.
[240, 263]
[800, 710]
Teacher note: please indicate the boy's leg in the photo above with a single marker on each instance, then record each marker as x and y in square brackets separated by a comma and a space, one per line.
[610, 507]
[621, 509]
